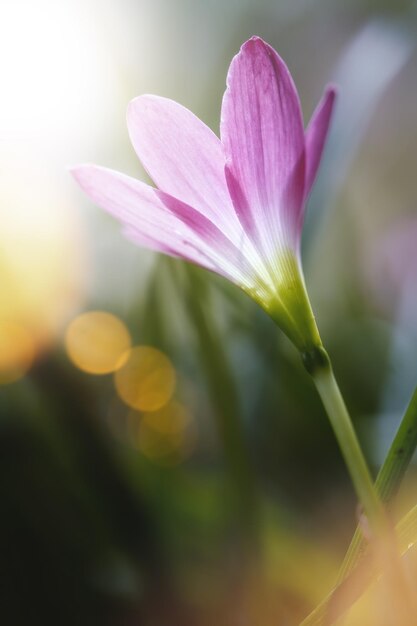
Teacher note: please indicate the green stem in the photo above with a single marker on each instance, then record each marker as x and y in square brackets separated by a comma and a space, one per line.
[357, 572]
[318, 364]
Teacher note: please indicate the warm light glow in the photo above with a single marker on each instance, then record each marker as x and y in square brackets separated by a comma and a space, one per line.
[16, 351]
[97, 342]
[54, 64]
[146, 381]
[66, 76]
[41, 251]
[167, 436]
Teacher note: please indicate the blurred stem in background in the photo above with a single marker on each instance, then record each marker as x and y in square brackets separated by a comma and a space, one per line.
[224, 396]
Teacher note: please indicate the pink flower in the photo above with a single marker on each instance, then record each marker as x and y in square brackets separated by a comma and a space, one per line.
[233, 205]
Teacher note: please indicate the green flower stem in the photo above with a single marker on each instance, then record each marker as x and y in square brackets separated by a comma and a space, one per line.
[318, 364]
[389, 478]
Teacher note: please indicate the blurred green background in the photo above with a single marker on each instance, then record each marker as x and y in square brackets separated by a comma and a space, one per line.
[219, 497]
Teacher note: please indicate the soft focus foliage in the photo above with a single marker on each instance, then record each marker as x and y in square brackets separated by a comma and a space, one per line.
[197, 481]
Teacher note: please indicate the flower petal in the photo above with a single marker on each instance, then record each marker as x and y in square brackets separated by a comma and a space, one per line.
[139, 209]
[183, 157]
[159, 221]
[263, 137]
[316, 134]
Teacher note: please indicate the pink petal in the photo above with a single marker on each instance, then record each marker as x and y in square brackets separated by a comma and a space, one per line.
[316, 134]
[183, 157]
[208, 232]
[145, 241]
[263, 137]
[163, 223]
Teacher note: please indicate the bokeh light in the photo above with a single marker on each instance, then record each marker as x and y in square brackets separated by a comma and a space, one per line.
[17, 351]
[97, 342]
[166, 436]
[146, 381]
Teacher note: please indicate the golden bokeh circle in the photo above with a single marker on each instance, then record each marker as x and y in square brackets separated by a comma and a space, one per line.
[167, 436]
[146, 380]
[171, 419]
[97, 342]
